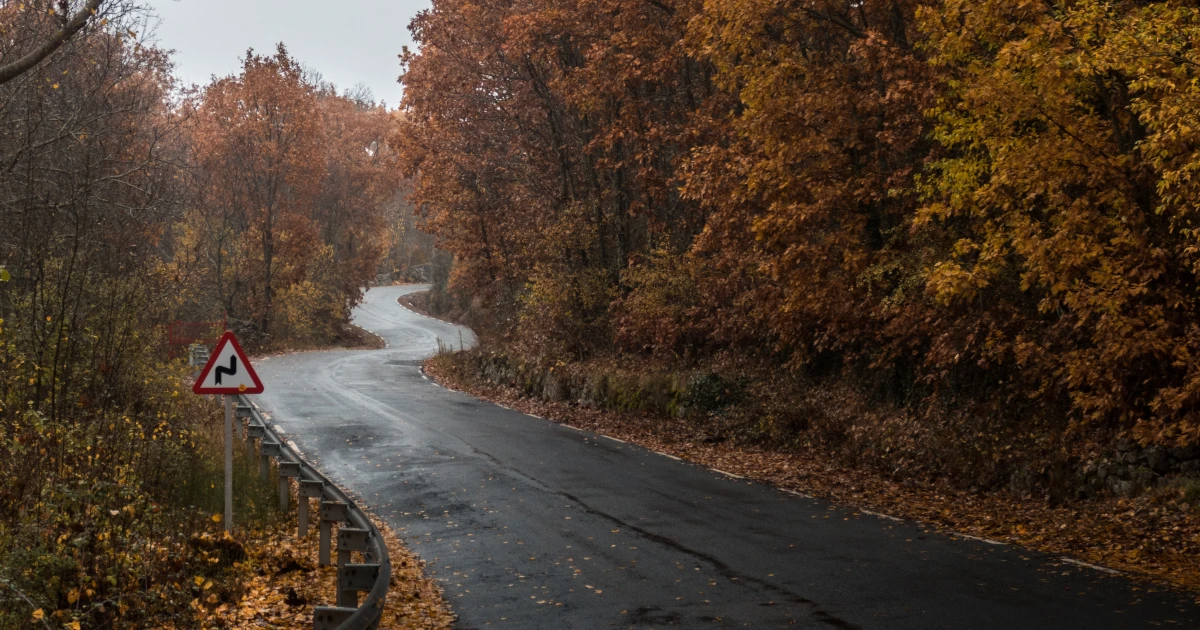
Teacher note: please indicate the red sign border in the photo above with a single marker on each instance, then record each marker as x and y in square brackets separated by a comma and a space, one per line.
[237, 348]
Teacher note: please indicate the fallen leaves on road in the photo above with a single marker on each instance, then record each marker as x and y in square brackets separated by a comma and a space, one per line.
[1141, 536]
[282, 584]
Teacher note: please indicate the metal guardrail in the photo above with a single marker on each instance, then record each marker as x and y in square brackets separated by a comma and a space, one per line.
[197, 355]
[373, 575]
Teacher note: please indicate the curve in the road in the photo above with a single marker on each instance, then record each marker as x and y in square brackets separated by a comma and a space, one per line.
[531, 524]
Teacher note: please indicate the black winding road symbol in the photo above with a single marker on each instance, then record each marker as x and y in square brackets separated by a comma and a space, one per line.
[231, 370]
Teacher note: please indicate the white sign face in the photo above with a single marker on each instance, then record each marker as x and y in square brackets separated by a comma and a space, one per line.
[228, 371]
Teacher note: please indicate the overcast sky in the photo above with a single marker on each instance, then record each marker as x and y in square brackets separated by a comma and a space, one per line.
[348, 42]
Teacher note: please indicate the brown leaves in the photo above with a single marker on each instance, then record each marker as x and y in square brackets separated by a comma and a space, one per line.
[281, 583]
[1153, 536]
[1059, 211]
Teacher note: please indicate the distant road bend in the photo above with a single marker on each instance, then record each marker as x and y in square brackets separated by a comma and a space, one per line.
[530, 524]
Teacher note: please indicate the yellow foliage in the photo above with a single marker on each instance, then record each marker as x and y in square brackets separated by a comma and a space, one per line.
[1067, 190]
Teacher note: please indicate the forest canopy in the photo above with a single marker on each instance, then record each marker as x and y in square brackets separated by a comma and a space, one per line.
[958, 202]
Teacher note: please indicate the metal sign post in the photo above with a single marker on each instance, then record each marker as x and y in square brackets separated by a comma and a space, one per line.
[228, 371]
[228, 463]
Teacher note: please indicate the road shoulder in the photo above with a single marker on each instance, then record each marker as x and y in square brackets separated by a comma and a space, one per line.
[1113, 536]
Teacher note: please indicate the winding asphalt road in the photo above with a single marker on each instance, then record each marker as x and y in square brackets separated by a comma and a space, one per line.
[530, 524]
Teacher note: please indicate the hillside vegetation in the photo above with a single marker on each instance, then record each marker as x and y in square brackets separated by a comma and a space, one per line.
[266, 199]
[946, 239]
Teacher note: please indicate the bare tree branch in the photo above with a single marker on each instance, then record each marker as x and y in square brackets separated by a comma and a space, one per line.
[839, 20]
[69, 28]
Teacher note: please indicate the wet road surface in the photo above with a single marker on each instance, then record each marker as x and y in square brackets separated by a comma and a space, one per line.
[530, 524]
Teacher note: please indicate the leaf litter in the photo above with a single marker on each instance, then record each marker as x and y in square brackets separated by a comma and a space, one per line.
[1150, 538]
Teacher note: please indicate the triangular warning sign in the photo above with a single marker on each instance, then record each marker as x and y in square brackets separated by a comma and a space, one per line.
[228, 371]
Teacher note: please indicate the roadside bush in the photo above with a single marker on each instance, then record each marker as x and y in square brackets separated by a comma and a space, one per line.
[565, 313]
[109, 466]
[103, 526]
[709, 391]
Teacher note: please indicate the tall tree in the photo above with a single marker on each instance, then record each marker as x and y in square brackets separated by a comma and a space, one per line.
[1064, 211]
[547, 140]
[293, 184]
[258, 143]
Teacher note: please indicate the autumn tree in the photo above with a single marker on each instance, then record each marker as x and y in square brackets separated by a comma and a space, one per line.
[292, 182]
[963, 203]
[811, 183]
[34, 30]
[123, 205]
[91, 148]
[361, 183]
[1061, 220]
[257, 144]
[88, 146]
[547, 140]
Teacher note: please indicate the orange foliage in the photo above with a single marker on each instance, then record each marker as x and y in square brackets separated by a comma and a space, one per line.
[547, 147]
[977, 201]
[292, 183]
[1064, 209]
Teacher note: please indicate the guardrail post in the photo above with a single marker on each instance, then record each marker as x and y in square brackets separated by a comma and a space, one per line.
[331, 512]
[330, 618]
[372, 576]
[287, 470]
[253, 432]
[308, 490]
[271, 448]
[353, 578]
[351, 539]
[243, 411]
[268, 449]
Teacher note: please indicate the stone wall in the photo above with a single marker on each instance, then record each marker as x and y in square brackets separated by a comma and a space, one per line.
[1133, 469]
[1126, 472]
